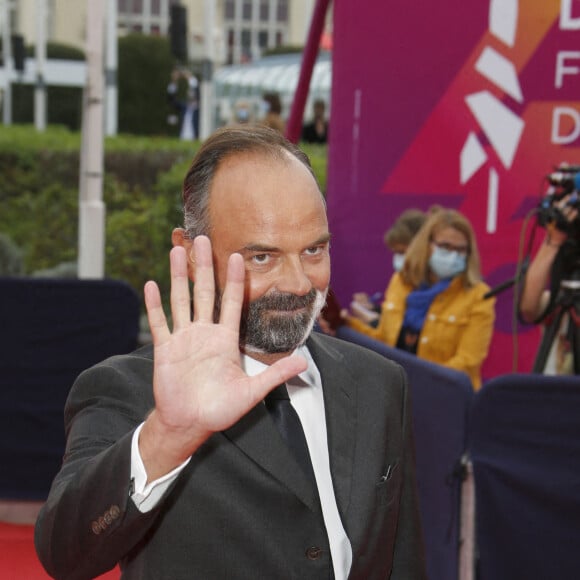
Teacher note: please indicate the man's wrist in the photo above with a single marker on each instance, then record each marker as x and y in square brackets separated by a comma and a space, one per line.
[162, 449]
[549, 242]
[147, 495]
[554, 238]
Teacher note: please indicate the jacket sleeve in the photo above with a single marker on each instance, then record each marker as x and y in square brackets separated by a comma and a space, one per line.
[89, 522]
[474, 343]
[363, 327]
[389, 322]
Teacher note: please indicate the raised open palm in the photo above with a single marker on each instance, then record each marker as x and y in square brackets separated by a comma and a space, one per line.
[199, 384]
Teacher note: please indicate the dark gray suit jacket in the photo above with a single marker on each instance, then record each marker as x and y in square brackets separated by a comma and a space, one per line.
[241, 509]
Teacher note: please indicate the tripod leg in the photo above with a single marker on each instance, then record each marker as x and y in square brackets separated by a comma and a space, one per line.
[574, 337]
[550, 333]
[575, 346]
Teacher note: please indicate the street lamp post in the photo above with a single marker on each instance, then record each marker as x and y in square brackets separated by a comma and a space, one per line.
[111, 67]
[8, 63]
[206, 87]
[91, 206]
[40, 87]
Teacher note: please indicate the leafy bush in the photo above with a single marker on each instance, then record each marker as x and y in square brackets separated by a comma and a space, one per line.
[145, 63]
[57, 50]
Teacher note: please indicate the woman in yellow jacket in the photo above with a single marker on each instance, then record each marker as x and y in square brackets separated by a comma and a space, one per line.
[434, 307]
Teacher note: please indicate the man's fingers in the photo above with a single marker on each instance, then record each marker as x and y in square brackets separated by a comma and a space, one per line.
[233, 295]
[204, 282]
[277, 373]
[179, 297]
[155, 314]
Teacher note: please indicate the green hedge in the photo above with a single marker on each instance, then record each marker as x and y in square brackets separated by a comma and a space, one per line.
[145, 63]
[142, 191]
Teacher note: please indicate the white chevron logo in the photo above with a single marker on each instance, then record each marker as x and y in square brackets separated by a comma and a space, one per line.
[502, 127]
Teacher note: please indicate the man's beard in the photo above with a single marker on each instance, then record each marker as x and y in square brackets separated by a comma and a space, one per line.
[271, 324]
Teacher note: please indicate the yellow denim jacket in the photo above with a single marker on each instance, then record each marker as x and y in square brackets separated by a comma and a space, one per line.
[457, 330]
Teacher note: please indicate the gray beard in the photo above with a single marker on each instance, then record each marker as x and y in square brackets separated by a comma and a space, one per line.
[263, 329]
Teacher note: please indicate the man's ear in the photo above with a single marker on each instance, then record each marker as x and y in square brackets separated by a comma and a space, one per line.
[178, 238]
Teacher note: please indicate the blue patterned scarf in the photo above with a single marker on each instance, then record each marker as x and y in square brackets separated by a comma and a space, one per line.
[418, 303]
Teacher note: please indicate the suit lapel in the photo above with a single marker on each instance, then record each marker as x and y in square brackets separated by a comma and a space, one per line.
[256, 435]
[340, 404]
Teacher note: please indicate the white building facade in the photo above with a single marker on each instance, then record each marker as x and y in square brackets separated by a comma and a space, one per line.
[243, 29]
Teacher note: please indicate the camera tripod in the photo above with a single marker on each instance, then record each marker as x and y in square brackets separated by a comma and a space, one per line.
[567, 302]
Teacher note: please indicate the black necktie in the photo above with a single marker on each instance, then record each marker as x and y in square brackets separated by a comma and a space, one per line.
[288, 423]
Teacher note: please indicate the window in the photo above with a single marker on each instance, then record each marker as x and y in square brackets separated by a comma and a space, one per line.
[229, 10]
[246, 39]
[230, 46]
[263, 39]
[246, 54]
[247, 10]
[256, 25]
[130, 7]
[282, 11]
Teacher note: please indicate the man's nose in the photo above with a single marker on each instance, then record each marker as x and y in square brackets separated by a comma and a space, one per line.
[293, 279]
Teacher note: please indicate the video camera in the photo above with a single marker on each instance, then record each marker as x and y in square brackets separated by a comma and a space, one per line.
[564, 181]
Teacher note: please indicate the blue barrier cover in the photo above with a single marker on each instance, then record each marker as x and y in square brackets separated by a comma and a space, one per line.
[525, 448]
[52, 329]
[441, 400]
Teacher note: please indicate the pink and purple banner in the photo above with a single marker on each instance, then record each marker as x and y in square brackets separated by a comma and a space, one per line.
[463, 103]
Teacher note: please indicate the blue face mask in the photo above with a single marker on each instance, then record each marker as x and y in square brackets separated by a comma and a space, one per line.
[242, 115]
[398, 261]
[446, 264]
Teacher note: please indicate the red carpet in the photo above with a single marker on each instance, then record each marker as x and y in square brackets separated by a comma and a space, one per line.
[18, 559]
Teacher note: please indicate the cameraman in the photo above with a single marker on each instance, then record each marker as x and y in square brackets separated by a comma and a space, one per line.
[535, 299]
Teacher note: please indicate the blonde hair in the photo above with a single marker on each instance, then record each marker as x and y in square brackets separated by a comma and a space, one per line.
[416, 268]
[407, 225]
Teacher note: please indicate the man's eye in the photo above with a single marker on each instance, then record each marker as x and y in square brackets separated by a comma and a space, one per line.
[261, 259]
[315, 250]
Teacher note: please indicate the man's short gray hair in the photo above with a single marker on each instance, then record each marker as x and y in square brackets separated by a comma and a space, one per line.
[222, 144]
